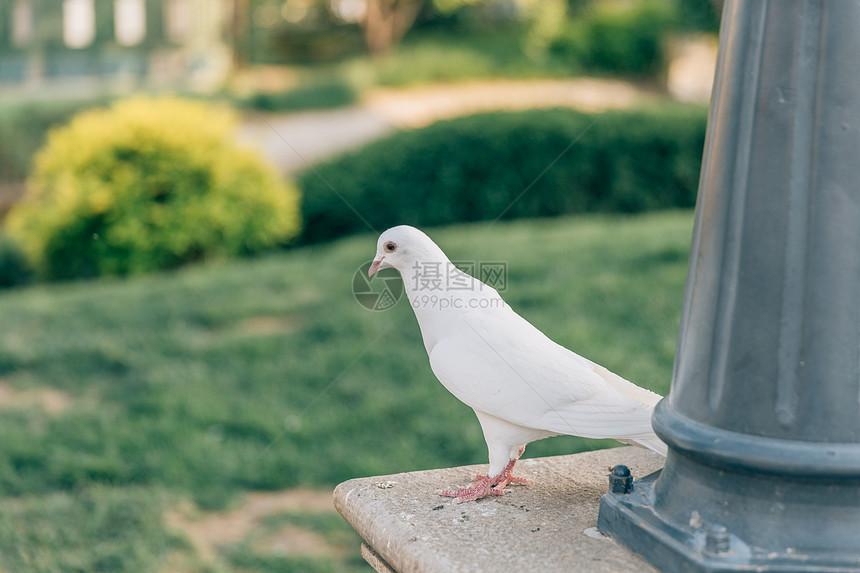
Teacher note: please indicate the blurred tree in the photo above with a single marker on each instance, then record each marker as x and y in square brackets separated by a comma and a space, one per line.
[385, 22]
[238, 30]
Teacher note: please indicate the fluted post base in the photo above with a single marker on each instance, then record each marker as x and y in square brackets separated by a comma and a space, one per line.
[725, 502]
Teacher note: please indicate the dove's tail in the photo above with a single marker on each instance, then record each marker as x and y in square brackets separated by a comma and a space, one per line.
[654, 444]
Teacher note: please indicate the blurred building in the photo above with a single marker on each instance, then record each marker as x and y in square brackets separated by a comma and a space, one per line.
[79, 48]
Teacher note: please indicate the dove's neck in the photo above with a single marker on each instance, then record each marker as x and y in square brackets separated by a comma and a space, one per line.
[439, 293]
[425, 283]
[428, 272]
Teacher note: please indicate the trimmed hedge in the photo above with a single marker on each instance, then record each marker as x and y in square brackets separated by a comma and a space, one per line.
[14, 268]
[147, 184]
[538, 163]
[324, 95]
[619, 39]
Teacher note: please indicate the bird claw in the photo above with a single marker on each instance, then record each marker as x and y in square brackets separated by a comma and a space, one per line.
[483, 485]
[474, 491]
[501, 479]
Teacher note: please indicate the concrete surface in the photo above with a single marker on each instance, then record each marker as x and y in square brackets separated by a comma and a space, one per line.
[549, 525]
[374, 560]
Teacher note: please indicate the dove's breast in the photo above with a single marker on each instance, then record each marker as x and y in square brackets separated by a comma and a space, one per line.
[511, 374]
[443, 314]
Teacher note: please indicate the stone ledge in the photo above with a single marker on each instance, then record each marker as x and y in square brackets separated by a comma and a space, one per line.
[549, 525]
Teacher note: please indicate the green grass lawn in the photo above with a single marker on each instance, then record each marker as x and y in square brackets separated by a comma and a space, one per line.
[265, 374]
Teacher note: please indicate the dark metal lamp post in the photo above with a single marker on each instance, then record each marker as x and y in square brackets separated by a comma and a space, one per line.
[763, 419]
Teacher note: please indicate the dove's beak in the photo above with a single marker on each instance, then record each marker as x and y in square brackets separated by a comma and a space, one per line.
[375, 266]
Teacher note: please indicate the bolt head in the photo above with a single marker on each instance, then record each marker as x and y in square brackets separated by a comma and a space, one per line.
[621, 471]
[620, 480]
[717, 539]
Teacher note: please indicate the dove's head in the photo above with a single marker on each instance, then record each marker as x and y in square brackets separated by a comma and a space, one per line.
[401, 247]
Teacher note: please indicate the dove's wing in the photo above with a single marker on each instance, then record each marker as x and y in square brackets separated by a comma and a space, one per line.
[498, 363]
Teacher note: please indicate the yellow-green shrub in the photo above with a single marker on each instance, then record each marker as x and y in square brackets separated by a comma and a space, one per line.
[149, 184]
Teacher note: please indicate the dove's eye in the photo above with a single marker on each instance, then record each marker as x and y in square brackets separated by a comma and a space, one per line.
[390, 247]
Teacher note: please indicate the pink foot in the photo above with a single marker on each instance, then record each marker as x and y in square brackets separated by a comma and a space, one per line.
[483, 485]
[475, 490]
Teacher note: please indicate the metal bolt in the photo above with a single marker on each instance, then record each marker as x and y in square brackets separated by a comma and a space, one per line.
[620, 480]
[717, 539]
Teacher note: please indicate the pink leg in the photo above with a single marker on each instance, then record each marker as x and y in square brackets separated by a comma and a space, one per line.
[507, 476]
[483, 485]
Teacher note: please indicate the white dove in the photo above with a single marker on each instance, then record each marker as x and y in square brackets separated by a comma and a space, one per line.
[522, 385]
